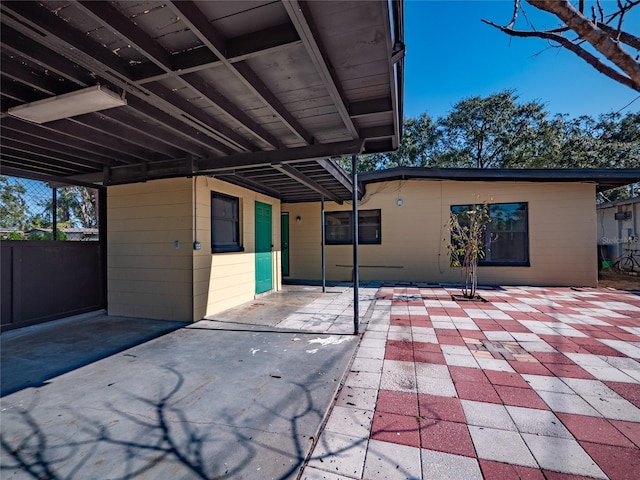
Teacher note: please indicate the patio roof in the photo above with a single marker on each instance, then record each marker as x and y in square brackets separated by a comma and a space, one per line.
[260, 92]
[604, 178]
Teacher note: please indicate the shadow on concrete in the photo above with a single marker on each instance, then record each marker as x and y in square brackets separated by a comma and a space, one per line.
[31, 356]
[192, 404]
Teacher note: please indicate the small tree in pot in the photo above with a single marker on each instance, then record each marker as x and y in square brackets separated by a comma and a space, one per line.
[467, 243]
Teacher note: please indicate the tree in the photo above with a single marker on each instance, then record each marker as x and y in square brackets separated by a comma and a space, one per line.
[491, 132]
[467, 243]
[13, 207]
[608, 43]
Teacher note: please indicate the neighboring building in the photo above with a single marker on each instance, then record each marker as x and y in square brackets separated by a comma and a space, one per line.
[618, 227]
[544, 222]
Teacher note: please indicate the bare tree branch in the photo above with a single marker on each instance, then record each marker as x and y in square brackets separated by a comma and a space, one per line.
[589, 31]
[607, 40]
[569, 45]
[621, 35]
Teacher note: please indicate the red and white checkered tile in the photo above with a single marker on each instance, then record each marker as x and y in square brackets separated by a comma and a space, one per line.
[533, 383]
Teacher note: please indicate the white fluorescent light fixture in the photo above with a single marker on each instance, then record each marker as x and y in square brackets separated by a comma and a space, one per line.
[87, 100]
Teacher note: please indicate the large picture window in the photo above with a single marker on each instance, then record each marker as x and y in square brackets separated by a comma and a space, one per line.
[225, 223]
[339, 227]
[507, 235]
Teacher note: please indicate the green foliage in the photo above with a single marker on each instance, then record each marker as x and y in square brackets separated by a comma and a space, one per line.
[500, 131]
[13, 236]
[13, 212]
[466, 244]
[62, 236]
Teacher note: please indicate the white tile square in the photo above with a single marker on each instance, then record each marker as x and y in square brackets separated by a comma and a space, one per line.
[398, 376]
[614, 408]
[538, 422]
[357, 397]
[501, 446]
[562, 455]
[339, 454]
[349, 421]
[543, 383]
[568, 403]
[392, 461]
[491, 415]
[446, 466]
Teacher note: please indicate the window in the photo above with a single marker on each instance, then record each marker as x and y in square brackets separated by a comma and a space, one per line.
[339, 227]
[507, 235]
[225, 223]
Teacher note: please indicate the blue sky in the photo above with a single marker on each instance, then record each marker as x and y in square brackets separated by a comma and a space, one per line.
[452, 55]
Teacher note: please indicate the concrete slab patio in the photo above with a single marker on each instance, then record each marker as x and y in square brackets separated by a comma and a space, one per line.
[536, 383]
[235, 398]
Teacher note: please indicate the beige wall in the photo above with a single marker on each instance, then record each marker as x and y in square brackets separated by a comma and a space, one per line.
[147, 276]
[225, 280]
[562, 233]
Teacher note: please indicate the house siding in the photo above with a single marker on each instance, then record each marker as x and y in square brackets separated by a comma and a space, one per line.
[147, 276]
[225, 280]
[562, 234]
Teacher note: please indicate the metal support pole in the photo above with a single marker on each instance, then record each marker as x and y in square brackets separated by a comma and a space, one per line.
[324, 263]
[356, 273]
[54, 214]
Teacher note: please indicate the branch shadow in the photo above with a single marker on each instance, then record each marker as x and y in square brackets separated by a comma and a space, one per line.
[159, 436]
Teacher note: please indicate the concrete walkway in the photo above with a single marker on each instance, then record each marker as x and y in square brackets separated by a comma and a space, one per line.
[537, 383]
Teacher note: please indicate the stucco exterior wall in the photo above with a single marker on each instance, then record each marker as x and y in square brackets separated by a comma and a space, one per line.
[562, 234]
[147, 276]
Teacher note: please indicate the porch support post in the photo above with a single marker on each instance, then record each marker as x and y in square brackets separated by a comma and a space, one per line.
[356, 273]
[324, 263]
[54, 213]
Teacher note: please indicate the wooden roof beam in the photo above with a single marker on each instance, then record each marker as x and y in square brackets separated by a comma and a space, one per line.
[286, 155]
[300, 16]
[300, 177]
[209, 36]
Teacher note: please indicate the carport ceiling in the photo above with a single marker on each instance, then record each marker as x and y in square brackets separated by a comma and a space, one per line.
[262, 93]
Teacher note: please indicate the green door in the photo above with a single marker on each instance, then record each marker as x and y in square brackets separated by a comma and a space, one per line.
[264, 243]
[284, 235]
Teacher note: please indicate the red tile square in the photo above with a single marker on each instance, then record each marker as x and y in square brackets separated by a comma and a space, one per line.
[448, 437]
[400, 403]
[552, 357]
[571, 371]
[549, 475]
[429, 357]
[603, 335]
[400, 344]
[446, 332]
[603, 350]
[426, 347]
[628, 391]
[513, 326]
[401, 429]
[504, 471]
[477, 334]
[531, 368]
[440, 408]
[520, 397]
[395, 353]
[479, 391]
[466, 374]
[631, 430]
[506, 378]
[593, 429]
[400, 322]
[617, 462]
[450, 340]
